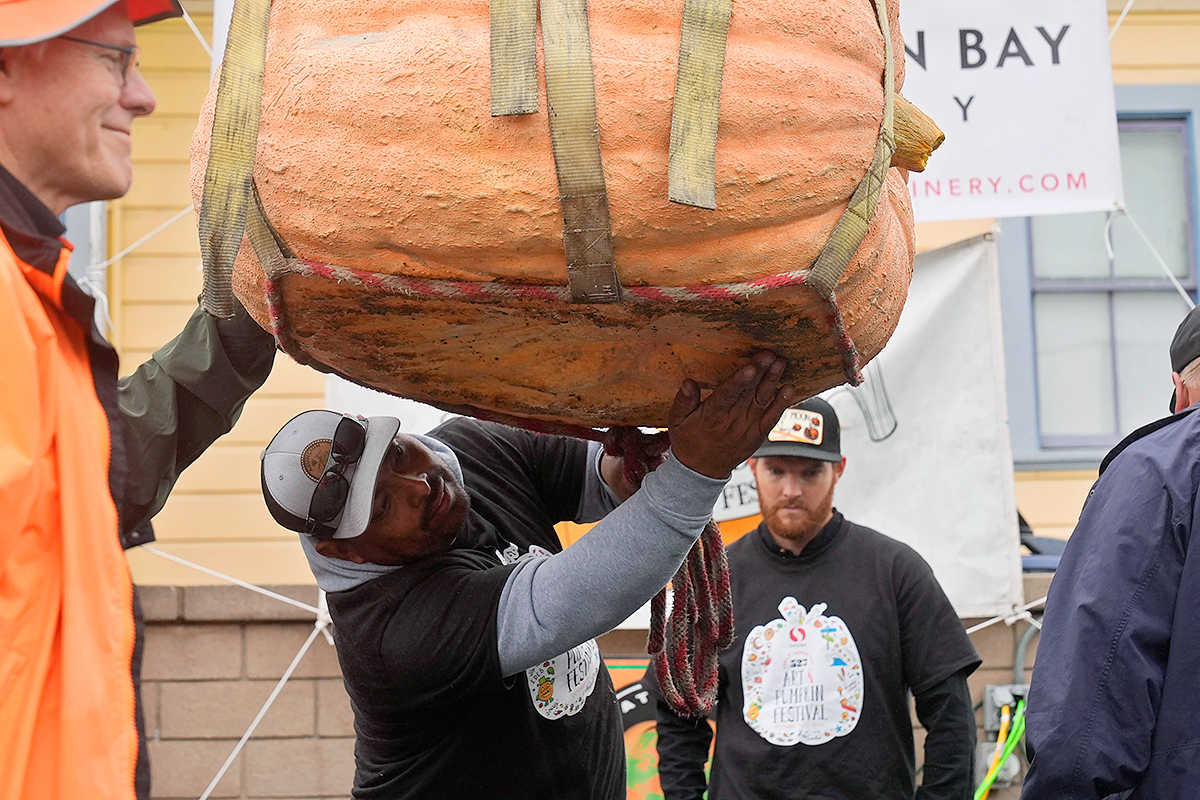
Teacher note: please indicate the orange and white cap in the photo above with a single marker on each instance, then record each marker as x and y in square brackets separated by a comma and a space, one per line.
[29, 21]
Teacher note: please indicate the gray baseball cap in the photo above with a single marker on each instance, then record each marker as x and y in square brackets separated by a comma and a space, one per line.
[806, 430]
[296, 459]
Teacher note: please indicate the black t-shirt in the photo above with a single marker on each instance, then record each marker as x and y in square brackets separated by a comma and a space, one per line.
[433, 714]
[814, 690]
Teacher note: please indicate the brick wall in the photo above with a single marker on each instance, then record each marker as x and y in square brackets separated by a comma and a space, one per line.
[214, 653]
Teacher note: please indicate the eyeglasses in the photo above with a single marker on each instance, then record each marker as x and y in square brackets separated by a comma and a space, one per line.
[329, 498]
[128, 54]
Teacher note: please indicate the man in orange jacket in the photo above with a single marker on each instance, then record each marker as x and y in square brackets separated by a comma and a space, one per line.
[85, 459]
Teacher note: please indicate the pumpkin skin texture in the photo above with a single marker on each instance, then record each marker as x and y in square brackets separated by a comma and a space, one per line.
[377, 152]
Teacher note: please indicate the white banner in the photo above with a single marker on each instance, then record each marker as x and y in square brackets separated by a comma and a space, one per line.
[943, 480]
[1023, 91]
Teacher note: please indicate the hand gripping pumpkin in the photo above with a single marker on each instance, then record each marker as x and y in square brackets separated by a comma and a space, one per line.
[421, 239]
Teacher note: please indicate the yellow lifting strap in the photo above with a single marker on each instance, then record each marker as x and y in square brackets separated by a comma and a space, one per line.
[692, 162]
[514, 84]
[229, 174]
[851, 228]
[574, 129]
[575, 136]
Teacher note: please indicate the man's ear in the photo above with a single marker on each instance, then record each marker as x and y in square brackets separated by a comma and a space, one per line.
[338, 548]
[1182, 393]
[5, 75]
[838, 468]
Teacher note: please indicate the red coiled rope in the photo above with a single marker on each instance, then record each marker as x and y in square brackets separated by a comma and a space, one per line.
[683, 647]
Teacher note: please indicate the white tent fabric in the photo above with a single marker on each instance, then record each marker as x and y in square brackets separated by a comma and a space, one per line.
[943, 481]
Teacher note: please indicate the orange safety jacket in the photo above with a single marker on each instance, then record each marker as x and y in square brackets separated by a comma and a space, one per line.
[66, 603]
[69, 498]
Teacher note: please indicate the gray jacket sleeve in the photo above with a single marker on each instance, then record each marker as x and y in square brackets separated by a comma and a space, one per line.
[549, 605]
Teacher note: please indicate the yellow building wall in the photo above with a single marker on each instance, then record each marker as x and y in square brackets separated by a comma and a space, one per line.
[216, 516]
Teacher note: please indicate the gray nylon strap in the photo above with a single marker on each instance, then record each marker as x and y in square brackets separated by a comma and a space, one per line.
[851, 228]
[228, 175]
[514, 80]
[692, 161]
[575, 135]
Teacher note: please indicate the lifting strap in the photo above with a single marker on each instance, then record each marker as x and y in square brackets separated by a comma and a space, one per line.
[575, 135]
[692, 162]
[229, 173]
[514, 85]
[852, 227]
[574, 129]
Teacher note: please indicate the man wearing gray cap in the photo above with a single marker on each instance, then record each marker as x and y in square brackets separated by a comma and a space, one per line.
[464, 630]
[836, 624]
[1114, 700]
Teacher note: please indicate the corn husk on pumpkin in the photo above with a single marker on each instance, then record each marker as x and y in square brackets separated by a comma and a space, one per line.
[377, 154]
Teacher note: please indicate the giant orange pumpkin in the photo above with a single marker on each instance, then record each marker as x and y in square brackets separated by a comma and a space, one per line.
[377, 153]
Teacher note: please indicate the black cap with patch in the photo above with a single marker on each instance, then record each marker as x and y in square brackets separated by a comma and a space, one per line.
[806, 430]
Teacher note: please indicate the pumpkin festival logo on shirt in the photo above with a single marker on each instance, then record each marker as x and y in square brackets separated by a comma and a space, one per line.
[801, 677]
[561, 686]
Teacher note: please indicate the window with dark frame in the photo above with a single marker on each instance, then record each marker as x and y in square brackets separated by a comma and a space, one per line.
[1103, 321]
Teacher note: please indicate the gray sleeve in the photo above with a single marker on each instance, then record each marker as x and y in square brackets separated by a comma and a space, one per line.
[549, 605]
[597, 499]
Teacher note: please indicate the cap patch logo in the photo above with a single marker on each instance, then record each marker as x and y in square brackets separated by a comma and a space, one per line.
[799, 425]
[315, 457]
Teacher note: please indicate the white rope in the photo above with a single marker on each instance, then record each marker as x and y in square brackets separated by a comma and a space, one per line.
[1120, 19]
[148, 237]
[1016, 615]
[1121, 209]
[321, 612]
[324, 621]
[321, 624]
[200, 36]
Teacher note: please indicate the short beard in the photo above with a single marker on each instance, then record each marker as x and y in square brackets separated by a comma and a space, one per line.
[456, 515]
[803, 530]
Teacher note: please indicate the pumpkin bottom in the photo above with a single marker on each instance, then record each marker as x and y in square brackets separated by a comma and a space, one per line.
[592, 365]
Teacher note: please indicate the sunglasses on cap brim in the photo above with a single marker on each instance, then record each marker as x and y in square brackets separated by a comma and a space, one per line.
[329, 498]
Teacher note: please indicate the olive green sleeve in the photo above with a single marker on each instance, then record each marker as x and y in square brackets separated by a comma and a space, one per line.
[188, 394]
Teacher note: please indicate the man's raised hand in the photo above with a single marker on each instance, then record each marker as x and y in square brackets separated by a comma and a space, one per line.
[713, 436]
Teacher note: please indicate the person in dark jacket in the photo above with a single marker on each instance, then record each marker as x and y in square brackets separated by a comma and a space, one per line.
[836, 625]
[1114, 705]
[85, 459]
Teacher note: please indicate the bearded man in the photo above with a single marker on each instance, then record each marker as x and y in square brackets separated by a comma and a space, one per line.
[836, 625]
